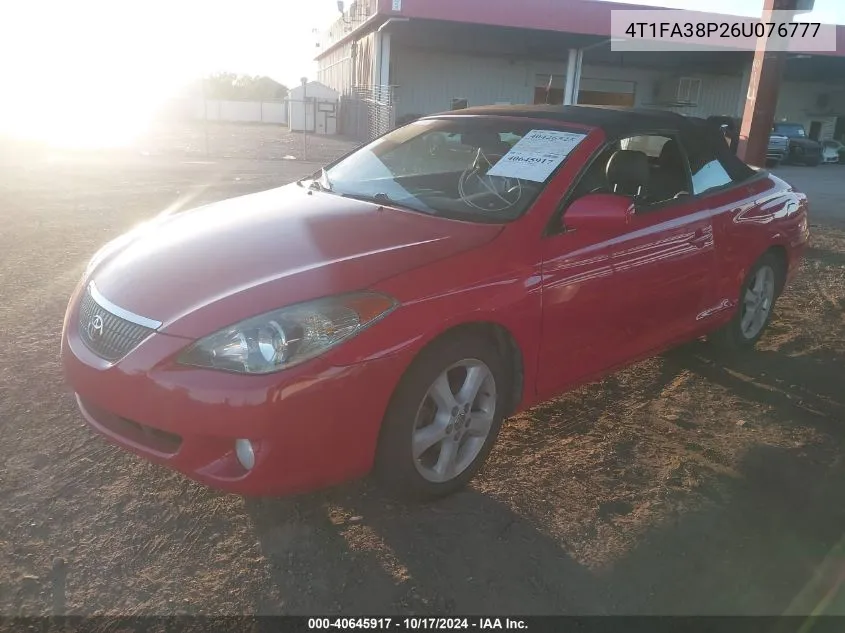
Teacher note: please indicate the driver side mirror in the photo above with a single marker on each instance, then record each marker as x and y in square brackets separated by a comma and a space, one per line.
[599, 212]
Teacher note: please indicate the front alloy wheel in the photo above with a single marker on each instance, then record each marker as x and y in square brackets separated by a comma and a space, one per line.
[454, 420]
[444, 417]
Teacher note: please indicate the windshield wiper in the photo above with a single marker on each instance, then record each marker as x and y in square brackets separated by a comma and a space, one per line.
[383, 198]
[379, 198]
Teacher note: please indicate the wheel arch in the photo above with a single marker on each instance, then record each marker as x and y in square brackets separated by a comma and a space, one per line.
[778, 251]
[506, 345]
[398, 473]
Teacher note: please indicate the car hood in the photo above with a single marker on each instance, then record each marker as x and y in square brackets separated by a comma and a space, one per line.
[200, 270]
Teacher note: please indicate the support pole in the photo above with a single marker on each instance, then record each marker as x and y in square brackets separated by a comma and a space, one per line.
[205, 114]
[384, 60]
[573, 76]
[304, 81]
[763, 89]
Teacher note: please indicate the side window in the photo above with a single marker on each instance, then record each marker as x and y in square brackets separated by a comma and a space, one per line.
[649, 145]
[711, 175]
[706, 169]
[594, 179]
[668, 175]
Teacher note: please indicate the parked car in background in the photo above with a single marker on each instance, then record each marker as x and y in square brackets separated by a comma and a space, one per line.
[391, 310]
[832, 151]
[802, 150]
[777, 150]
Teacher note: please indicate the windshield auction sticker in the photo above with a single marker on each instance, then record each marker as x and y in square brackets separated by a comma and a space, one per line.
[536, 155]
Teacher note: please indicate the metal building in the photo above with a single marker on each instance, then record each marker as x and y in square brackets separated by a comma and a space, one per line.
[400, 58]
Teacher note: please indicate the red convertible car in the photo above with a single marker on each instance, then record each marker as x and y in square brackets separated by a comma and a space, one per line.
[390, 311]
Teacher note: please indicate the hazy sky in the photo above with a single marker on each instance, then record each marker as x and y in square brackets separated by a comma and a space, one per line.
[134, 42]
[88, 60]
[91, 71]
[164, 38]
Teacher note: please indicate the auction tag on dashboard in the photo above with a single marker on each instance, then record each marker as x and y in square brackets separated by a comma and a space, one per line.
[536, 155]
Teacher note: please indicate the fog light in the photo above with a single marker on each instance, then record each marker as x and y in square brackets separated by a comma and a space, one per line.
[245, 453]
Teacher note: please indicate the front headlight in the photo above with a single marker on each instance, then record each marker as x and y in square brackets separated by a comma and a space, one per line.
[288, 336]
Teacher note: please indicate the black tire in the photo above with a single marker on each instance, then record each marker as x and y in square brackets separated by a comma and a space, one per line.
[730, 337]
[812, 162]
[395, 465]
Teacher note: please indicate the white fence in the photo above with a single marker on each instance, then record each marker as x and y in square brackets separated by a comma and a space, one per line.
[319, 116]
[241, 111]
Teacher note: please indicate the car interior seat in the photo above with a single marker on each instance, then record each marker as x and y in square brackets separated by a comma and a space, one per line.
[670, 175]
[488, 141]
[628, 173]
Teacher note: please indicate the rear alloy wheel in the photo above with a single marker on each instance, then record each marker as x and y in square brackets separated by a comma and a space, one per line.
[756, 302]
[444, 418]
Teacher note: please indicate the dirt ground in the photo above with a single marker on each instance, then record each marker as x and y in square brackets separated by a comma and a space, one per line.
[687, 484]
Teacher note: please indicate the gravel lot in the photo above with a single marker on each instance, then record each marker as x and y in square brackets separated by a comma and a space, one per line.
[685, 484]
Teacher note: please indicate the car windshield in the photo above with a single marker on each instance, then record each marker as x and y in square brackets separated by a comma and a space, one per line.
[482, 169]
[789, 129]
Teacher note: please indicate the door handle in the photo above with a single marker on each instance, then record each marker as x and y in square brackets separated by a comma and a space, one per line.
[700, 238]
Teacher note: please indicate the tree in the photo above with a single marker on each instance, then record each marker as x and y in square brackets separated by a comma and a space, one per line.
[231, 86]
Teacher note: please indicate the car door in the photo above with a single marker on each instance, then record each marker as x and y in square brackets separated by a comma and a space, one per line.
[581, 320]
[664, 264]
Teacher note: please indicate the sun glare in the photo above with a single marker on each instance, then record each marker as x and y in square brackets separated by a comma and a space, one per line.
[82, 78]
[92, 73]
[89, 124]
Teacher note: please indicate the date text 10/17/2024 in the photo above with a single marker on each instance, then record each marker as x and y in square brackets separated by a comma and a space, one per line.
[417, 624]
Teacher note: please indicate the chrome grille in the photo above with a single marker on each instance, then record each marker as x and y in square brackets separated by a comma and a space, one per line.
[108, 335]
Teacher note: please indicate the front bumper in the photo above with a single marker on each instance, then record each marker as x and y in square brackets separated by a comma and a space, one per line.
[801, 153]
[312, 426]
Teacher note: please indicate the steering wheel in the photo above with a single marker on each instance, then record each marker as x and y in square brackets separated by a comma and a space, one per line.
[484, 192]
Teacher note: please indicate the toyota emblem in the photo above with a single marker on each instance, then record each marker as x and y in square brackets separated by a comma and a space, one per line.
[95, 326]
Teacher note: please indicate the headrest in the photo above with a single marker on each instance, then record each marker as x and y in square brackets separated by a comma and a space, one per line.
[481, 138]
[628, 169]
[670, 155]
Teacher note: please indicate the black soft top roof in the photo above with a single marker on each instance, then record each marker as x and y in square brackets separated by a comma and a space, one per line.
[615, 121]
[619, 122]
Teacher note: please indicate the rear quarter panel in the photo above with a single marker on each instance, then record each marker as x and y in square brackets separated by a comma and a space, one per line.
[763, 213]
